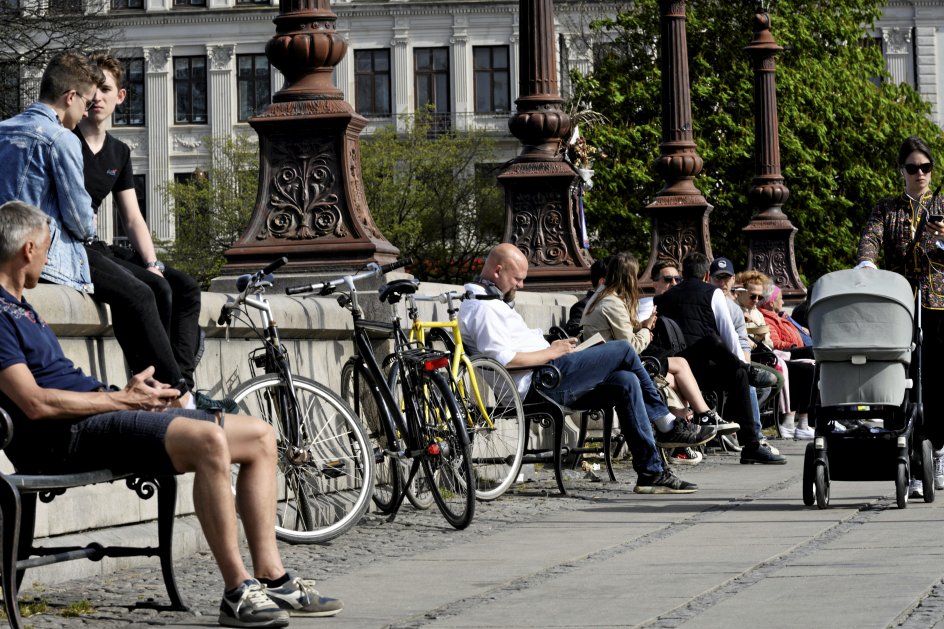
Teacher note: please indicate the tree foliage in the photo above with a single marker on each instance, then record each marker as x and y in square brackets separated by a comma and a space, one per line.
[841, 123]
[213, 208]
[31, 31]
[428, 197]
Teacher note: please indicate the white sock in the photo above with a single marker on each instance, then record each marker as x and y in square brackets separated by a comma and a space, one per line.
[787, 420]
[803, 421]
[665, 424]
[191, 403]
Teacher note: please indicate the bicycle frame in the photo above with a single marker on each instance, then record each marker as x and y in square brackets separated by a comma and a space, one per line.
[418, 330]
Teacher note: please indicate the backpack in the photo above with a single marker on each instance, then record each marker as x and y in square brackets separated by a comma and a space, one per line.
[667, 337]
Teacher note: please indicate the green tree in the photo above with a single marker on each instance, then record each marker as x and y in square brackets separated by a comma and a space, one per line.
[841, 123]
[212, 208]
[433, 196]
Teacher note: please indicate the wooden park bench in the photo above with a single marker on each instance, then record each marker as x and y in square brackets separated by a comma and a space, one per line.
[18, 493]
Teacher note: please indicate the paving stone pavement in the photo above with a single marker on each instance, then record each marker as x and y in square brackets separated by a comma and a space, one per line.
[743, 551]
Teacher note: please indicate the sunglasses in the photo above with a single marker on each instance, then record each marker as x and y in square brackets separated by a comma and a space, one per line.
[912, 169]
[755, 297]
[671, 279]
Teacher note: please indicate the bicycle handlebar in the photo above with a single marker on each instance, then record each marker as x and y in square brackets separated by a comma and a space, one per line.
[245, 284]
[326, 288]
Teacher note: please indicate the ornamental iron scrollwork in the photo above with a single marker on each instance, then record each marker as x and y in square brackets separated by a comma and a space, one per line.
[49, 495]
[303, 204]
[144, 486]
[772, 258]
[539, 228]
[677, 238]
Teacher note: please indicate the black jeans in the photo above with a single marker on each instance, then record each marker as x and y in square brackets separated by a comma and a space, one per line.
[156, 320]
[932, 372]
[716, 368]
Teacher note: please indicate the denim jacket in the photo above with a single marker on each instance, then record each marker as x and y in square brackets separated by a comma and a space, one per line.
[42, 165]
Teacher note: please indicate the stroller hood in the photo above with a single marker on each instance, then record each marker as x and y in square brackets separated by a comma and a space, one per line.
[860, 314]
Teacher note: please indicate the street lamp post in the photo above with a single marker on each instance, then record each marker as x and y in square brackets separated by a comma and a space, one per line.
[770, 233]
[679, 211]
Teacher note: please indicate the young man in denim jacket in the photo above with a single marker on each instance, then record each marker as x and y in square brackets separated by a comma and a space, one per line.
[42, 164]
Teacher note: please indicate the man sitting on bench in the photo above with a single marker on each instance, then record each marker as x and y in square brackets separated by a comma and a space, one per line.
[65, 421]
[610, 374]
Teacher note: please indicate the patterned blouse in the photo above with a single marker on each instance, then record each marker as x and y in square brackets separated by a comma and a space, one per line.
[889, 231]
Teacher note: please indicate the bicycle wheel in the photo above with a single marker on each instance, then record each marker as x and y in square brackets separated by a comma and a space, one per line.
[418, 492]
[326, 480]
[440, 431]
[496, 425]
[358, 390]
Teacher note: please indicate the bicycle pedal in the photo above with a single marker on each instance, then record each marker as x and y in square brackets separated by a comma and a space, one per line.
[332, 470]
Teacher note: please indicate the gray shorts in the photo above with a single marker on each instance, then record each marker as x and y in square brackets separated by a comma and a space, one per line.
[125, 441]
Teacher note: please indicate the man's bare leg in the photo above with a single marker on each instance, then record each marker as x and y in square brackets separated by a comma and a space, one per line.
[202, 448]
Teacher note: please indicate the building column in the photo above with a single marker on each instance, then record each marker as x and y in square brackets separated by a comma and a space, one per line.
[221, 97]
[402, 85]
[899, 54]
[159, 118]
[926, 55]
[344, 71]
[462, 74]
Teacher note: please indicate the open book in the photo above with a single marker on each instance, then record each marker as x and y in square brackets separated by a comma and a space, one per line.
[596, 339]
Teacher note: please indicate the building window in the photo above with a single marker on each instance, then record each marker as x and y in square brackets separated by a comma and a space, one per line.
[131, 112]
[66, 7]
[190, 3]
[265, 2]
[254, 84]
[372, 82]
[190, 90]
[9, 89]
[431, 66]
[140, 191]
[127, 4]
[492, 79]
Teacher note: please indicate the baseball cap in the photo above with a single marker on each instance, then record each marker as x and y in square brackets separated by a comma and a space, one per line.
[721, 266]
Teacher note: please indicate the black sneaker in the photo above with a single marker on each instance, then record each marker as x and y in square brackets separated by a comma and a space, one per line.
[711, 418]
[249, 606]
[667, 483]
[761, 378]
[685, 434]
[205, 403]
[757, 453]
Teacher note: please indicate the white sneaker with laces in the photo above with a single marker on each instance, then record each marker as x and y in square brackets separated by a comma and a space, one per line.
[300, 598]
[916, 489]
[248, 606]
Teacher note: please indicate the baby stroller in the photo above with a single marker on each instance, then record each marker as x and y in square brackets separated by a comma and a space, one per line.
[867, 406]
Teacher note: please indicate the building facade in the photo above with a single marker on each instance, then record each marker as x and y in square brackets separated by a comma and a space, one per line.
[197, 68]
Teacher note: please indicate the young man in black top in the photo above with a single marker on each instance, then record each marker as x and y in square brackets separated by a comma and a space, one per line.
[119, 272]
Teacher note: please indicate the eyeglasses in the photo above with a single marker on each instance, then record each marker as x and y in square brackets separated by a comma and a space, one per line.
[671, 279]
[755, 297]
[88, 101]
[912, 169]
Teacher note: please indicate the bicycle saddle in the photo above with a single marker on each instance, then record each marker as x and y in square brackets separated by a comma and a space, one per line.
[392, 292]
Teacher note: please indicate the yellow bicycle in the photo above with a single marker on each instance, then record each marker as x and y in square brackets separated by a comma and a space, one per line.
[487, 393]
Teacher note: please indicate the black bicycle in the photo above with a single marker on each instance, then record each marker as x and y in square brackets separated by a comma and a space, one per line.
[415, 424]
[325, 462]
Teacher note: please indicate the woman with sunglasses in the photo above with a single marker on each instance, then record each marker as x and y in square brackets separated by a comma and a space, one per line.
[889, 231]
[611, 312]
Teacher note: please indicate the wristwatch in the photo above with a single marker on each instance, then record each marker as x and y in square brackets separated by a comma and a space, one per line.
[157, 264]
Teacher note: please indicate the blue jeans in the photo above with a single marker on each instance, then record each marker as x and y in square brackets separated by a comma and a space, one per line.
[611, 374]
[755, 415]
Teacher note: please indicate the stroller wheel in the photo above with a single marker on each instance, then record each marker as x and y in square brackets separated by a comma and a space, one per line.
[822, 485]
[927, 469]
[809, 473]
[902, 485]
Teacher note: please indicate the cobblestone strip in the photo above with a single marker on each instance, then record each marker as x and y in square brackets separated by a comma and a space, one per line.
[928, 612]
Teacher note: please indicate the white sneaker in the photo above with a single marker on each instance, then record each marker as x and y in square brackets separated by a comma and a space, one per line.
[804, 432]
[786, 432]
[939, 470]
[766, 444]
[916, 490]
